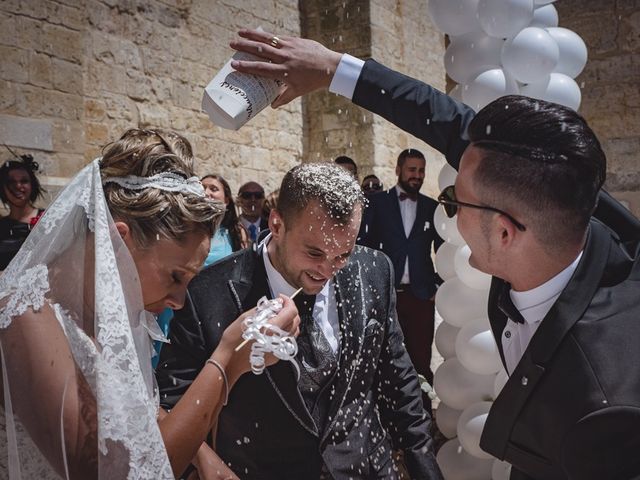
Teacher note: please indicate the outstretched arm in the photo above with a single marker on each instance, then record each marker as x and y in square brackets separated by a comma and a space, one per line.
[305, 65]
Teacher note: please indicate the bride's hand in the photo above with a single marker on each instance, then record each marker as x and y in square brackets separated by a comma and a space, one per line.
[238, 362]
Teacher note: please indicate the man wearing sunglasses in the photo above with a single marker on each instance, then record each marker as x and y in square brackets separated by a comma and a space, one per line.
[371, 185]
[251, 201]
[565, 256]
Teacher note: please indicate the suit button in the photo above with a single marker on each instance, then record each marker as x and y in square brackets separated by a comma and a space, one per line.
[524, 381]
[507, 334]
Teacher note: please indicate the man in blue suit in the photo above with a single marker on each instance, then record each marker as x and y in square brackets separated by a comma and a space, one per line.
[399, 222]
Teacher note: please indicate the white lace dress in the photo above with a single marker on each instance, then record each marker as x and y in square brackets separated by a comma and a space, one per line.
[33, 464]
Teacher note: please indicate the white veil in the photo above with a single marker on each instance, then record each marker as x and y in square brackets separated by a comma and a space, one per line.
[71, 308]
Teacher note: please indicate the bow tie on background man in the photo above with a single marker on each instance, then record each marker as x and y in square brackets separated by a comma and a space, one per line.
[411, 196]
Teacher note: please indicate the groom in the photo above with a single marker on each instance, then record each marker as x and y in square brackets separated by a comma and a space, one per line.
[357, 397]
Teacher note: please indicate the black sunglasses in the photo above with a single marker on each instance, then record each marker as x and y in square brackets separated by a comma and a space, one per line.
[248, 195]
[448, 200]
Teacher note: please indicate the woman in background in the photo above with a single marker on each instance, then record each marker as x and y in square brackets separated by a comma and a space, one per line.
[19, 189]
[231, 236]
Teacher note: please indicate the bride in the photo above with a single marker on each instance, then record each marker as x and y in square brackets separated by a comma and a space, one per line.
[120, 242]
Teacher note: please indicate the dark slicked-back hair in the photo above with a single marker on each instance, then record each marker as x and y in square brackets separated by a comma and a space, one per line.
[333, 187]
[409, 153]
[541, 161]
[344, 160]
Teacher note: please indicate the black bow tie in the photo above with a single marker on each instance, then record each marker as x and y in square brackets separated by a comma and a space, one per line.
[411, 196]
[506, 306]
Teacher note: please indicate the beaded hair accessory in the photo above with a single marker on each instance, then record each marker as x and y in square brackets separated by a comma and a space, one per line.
[167, 181]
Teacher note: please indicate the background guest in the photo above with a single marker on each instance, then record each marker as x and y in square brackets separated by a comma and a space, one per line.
[231, 236]
[348, 164]
[371, 184]
[251, 201]
[19, 189]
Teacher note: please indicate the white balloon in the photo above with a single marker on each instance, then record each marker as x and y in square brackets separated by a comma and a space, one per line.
[487, 87]
[500, 470]
[504, 18]
[573, 51]
[545, 16]
[543, 2]
[458, 304]
[456, 464]
[501, 379]
[469, 275]
[454, 17]
[471, 54]
[445, 339]
[456, 93]
[447, 227]
[458, 387]
[447, 175]
[476, 348]
[470, 425]
[531, 55]
[447, 420]
[444, 260]
[557, 88]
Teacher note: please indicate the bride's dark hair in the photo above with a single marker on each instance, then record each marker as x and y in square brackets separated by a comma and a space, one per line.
[152, 213]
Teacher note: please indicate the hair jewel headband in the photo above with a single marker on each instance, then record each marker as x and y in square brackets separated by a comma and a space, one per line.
[167, 181]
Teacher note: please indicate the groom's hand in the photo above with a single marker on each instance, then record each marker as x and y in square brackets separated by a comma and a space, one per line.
[302, 65]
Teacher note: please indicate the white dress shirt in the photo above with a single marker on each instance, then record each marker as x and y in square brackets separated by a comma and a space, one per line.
[325, 310]
[346, 76]
[247, 224]
[533, 305]
[408, 210]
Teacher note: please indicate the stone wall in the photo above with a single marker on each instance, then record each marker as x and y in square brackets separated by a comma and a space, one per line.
[404, 38]
[397, 33]
[77, 73]
[611, 85]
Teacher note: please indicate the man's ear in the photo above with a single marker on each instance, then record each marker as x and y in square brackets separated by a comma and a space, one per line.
[276, 224]
[398, 170]
[507, 230]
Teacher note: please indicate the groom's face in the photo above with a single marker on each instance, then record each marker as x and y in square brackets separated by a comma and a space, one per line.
[311, 247]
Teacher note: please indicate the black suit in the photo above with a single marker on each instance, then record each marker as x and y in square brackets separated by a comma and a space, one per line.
[571, 408]
[265, 431]
[384, 230]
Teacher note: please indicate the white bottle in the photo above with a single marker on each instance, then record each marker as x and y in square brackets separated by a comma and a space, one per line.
[232, 98]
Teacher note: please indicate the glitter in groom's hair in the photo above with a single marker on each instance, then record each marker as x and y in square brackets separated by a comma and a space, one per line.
[333, 187]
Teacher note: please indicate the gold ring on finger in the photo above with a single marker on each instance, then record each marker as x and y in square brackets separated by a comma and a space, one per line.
[275, 42]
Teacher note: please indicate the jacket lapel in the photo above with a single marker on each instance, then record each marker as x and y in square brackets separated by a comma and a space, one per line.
[421, 209]
[352, 316]
[568, 309]
[249, 287]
